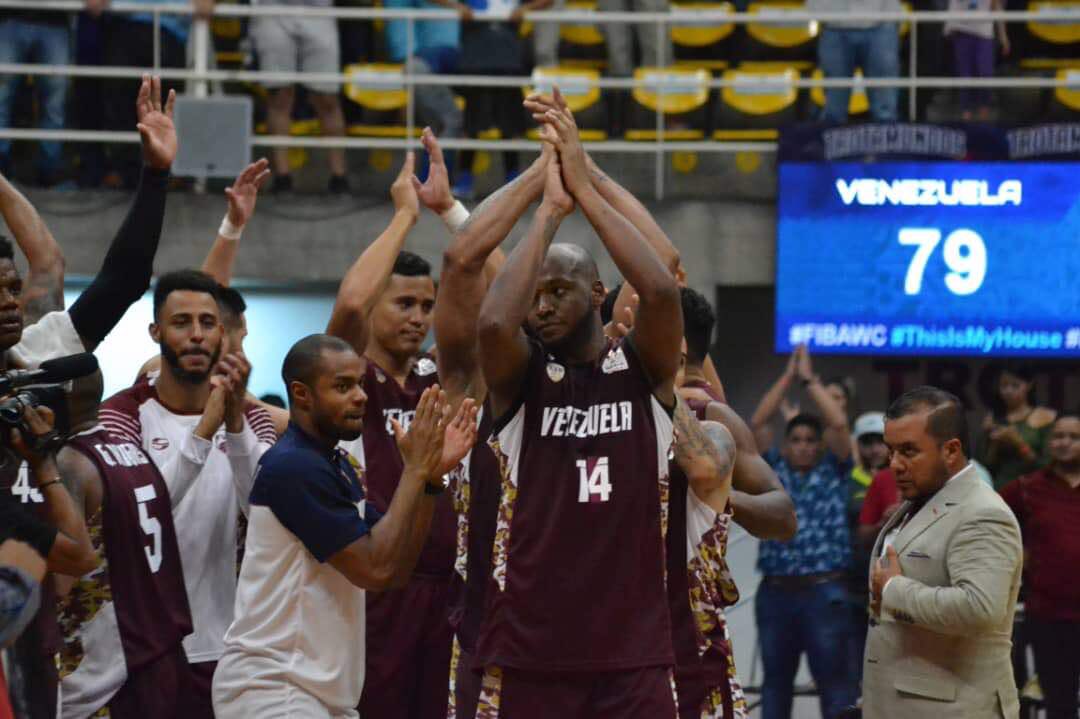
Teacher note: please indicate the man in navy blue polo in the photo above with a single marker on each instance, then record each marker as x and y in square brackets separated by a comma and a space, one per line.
[314, 544]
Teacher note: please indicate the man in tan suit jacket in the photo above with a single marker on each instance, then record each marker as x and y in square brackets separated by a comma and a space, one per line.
[944, 577]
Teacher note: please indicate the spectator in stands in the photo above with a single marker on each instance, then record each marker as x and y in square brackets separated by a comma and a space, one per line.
[972, 45]
[436, 50]
[492, 48]
[42, 37]
[618, 36]
[801, 603]
[128, 41]
[872, 46]
[1047, 505]
[1013, 440]
[301, 44]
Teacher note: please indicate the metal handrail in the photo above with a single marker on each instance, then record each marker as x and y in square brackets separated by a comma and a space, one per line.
[201, 75]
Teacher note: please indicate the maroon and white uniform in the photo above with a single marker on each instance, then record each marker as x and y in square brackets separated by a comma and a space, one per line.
[699, 587]
[408, 630]
[476, 491]
[578, 564]
[209, 483]
[132, 612]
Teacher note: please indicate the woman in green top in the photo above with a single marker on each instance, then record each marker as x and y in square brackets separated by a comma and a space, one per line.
[1013, 441]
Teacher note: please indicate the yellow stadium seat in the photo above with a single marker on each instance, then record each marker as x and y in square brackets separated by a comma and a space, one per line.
[582, 45]
[683, 98]
[793, 40]
[859, 103]
[704, 43]
[1066, 104]
[578, 86]
[1053, 38]
[757, 103]
[379, 100]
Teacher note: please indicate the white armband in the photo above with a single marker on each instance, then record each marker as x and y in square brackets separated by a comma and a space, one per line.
[230, 231]
[455, 217]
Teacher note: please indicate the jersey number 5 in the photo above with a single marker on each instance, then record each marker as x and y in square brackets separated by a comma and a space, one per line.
[150, 525]
[594, 480]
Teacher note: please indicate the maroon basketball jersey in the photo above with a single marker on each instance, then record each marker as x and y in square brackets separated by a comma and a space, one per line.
[144, 576]
[578, 562]
[698, 406]
[382, 460]
[476, 502]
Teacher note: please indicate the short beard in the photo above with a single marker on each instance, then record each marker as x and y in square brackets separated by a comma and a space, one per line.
[172, 361]
[327, 429]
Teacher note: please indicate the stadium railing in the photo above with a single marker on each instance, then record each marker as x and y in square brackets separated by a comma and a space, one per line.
[200, 75]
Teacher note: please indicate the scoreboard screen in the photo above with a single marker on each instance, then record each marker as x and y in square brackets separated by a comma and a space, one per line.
[929, 258]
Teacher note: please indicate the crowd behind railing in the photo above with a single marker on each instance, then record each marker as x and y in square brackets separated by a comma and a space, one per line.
[855, 69]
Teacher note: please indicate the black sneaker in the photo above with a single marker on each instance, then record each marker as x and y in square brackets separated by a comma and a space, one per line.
[282, 183]
[339, 185]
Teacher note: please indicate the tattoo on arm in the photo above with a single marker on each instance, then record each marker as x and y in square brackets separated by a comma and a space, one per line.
[722, 440]
[699, 443]
[489, 201]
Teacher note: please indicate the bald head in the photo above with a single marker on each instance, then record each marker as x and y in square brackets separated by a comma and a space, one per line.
[570, 260]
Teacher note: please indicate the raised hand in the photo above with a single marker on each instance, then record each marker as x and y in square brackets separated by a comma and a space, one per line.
[460, 436]
[555, 195]
[803, 366]
[561, 131]
[435, 192]
[155, 124]
[422, 446]
[403, 192]
[245, 192]
[236, 369]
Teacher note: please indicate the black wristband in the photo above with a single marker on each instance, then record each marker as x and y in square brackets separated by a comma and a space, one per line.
[433, 490]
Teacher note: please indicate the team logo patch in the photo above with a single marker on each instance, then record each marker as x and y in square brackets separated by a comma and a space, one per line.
[556, 371]
[380, 376]
[614, 362]
[425, 366]
[159, 443]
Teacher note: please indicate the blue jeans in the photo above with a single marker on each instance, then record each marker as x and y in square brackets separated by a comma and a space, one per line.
[877, 51]
[29, 42]
[816, 620]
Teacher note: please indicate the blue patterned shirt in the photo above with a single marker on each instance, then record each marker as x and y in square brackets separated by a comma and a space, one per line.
[820, 496]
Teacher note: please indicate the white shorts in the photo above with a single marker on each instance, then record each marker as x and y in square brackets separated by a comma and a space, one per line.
[297, 44]
[239, 692]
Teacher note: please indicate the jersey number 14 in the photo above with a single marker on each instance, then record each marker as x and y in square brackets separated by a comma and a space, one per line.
[594, 480]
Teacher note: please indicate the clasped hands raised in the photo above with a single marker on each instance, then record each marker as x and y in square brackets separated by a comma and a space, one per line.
[568, 165]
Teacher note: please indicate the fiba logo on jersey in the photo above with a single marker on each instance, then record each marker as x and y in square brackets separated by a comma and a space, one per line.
[556, 371]
[614, 362]
[425, 366]
[159, 443]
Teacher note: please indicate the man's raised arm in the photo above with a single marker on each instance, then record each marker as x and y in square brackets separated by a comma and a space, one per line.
[463, 281]
[504, 349]
[370, 274]
[44, 291]
[125, 273]
[242, 197]
[622, 200]
[658, 329]
[761, 505]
